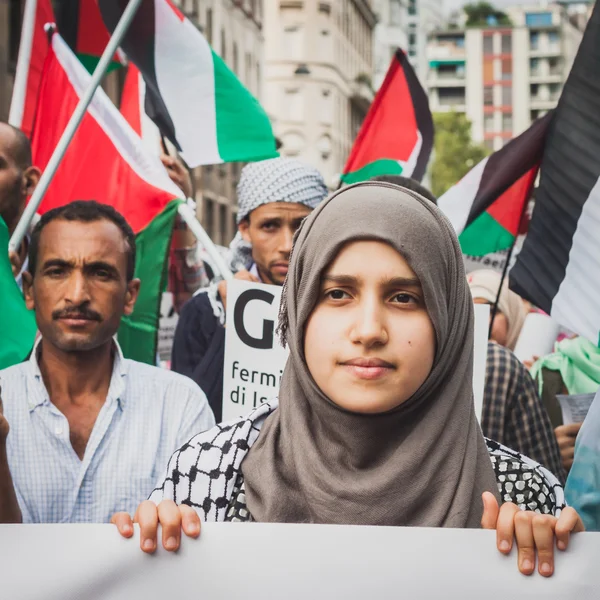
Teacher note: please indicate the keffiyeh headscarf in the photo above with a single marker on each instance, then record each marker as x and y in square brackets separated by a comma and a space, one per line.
[273, 180]
[424, 463]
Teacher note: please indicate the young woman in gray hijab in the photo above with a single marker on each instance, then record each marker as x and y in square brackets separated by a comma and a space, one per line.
[375, 421]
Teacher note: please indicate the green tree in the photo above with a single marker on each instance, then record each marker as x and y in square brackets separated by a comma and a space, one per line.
[455, 153]
[482, 14]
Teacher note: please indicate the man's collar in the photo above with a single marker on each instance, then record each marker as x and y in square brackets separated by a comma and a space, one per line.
[117, 382]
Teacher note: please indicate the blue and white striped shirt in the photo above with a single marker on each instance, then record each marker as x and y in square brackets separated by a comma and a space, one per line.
[148, 414]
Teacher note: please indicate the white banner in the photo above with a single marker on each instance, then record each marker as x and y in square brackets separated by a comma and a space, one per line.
[242, 561]
[254, 358]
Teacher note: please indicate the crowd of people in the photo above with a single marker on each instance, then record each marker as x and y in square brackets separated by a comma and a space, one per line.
[374, 423]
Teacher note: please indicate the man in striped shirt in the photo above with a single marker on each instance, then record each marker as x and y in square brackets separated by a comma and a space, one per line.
[85, 432]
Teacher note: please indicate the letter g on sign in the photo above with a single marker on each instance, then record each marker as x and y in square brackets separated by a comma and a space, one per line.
[266, 341]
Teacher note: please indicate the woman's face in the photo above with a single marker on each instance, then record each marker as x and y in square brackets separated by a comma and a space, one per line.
[369, 342]
[500, 329]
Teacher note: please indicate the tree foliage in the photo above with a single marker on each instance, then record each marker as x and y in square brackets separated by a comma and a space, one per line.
[455, 153]
[483, 14]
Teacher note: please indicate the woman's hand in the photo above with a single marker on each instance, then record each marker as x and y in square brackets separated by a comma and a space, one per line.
[533, 532]
[172, 518]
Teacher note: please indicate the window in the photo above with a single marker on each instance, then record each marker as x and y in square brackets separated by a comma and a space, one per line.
[209, 216]
[488, 69]
[292, 43]
[554, 66]
[507, 95]
[488, 44]
[223, 45]
[412, 39]
[507, 122]
[451, 96]
[553, 40]
[534, 90]
[14, 31]
[541, 19]
[412, 7]
[554, 89]
[534, 40]
[506, 44]
[488, 123]
[223, 224]
[506, 69]
[208, 29]
[448, 71]
[534, 115]
[534, 66]
[488, 95]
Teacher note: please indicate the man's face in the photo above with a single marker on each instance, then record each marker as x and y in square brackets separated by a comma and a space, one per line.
[79, 290]
[270, 229]
[13, 187]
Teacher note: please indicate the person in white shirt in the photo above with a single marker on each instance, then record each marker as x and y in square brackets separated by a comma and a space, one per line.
[85, 432]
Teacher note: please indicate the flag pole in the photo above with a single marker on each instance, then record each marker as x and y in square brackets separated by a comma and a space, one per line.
[74, 122]
[187, 214]
[502, 279]
[17, 103]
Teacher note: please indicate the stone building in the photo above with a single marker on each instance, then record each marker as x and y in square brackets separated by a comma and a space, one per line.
[318, 77]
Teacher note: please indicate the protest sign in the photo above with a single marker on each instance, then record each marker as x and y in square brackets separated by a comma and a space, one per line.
[482, 324]
[166, 328]
[575, 407]
[240, 561]
[537, 338]
[254, 358]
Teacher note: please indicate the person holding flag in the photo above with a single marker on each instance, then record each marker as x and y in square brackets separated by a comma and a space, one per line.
[274, 196]
[18, 178]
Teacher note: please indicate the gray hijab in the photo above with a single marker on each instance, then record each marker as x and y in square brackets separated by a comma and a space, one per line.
[425, 463]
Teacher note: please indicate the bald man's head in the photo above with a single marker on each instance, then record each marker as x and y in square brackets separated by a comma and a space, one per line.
[17, 177]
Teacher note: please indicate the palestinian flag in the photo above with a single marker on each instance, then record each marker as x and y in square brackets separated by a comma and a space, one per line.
[80, 24]
[16, 322]
[558, 268]
[396, 136]
[487, 207]
[107, 162]
[33, 49]
[133, 100]
[195, 99]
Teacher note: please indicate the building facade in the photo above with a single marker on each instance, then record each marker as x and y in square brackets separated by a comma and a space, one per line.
[318, 77]
[10, 30]
[404, 24]
[503, 78]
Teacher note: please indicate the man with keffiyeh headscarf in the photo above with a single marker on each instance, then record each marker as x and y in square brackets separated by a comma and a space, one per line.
[274, 196]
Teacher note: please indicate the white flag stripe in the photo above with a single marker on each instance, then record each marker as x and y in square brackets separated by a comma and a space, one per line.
[456, 203]
[193, 109]
[149, 131]
[113, 123]
[577, 303]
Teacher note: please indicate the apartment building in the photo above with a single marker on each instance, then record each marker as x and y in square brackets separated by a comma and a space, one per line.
[503, 78]
[404, 24]
[318, 77]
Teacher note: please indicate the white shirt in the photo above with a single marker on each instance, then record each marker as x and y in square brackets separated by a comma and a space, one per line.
[148, 414]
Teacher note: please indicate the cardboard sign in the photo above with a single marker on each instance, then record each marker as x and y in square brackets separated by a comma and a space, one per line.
[254, 358]
[241, 561]
[166, 328]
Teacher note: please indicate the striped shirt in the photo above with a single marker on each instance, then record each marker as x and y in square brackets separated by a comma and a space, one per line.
[148, 414]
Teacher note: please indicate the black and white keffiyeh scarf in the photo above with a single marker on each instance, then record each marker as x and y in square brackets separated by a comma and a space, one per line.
[206, 474]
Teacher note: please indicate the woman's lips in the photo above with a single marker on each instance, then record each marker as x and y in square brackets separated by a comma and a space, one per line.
[368, 369]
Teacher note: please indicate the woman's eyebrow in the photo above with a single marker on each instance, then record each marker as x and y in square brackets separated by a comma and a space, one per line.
[402, 282]
[340, 279]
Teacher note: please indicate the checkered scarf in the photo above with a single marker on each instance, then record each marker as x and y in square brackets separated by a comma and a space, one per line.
[274, 180]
